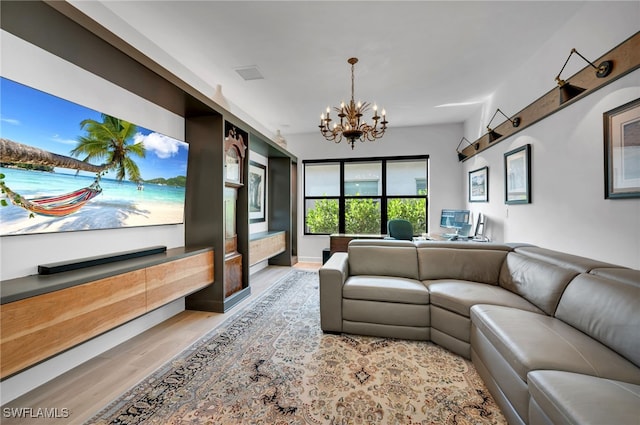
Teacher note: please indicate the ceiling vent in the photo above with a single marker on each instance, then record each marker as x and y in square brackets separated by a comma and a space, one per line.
[250, 73]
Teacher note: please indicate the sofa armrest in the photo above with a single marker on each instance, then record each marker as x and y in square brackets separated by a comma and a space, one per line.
[332, 274]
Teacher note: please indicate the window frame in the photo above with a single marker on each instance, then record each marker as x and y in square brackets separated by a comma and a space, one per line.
[383, 199]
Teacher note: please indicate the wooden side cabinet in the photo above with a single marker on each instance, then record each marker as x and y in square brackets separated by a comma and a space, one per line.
[265, 245]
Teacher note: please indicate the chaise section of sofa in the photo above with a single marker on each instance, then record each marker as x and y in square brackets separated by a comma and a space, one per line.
[576, 399]
[592, 329]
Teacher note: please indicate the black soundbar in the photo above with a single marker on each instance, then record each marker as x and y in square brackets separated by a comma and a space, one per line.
[65, 266]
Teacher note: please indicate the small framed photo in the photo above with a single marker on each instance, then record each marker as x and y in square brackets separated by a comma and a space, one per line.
[479, 185]
[517, 176]
[257, 192]
[622, 151]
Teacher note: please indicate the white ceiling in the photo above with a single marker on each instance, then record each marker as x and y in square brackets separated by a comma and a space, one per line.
[414, 55]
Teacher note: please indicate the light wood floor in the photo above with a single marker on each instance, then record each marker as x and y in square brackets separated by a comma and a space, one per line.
[85, 390]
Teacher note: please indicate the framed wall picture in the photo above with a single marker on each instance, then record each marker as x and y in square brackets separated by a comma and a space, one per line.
[257, 192]
[622, 151]
[517, 175]
[479, 185]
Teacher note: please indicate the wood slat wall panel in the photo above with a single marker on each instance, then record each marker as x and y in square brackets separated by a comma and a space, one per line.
[170, 281]
[37, 328]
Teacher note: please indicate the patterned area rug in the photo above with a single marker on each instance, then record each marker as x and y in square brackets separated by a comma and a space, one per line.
[272, 364]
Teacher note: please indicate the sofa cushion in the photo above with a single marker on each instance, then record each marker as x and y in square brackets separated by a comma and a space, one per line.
[387, 289]
[530, 341]
[541, 283]
[383, 258]
[386, 313]
[571, 398]
[459, 296]
[477, 265]
[420, 333]
[607, 310]
[629, 276]
[561, 259]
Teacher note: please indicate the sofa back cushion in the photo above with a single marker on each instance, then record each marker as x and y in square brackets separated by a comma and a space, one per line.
[541, 283]
[562, 259]
[630, 276]
[477, 265]
[383, 258]
[605, 309]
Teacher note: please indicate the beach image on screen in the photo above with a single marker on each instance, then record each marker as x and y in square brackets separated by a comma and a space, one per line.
[65, 167]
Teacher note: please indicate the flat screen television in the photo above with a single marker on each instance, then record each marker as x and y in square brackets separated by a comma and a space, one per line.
[65, 167]
[454, 219]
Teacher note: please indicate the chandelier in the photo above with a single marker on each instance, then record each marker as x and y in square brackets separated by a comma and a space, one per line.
[351, 125]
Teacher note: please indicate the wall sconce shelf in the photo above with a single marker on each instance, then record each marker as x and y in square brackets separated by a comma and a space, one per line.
[620, 60]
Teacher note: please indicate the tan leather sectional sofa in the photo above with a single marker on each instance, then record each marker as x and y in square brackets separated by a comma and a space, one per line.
[554, 336]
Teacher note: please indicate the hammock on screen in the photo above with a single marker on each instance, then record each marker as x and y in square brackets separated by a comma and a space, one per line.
[56, 206]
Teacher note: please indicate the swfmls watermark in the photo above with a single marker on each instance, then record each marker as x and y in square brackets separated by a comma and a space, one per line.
[36, 412]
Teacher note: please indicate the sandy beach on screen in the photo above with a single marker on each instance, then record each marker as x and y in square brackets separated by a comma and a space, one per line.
[97, 213]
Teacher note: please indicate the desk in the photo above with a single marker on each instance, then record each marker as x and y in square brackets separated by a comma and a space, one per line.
[441, 237]
[340, 241]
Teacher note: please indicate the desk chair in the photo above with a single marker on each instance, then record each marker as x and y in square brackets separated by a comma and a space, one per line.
[400, 229]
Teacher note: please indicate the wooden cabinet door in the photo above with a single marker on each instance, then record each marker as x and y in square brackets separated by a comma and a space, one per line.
[170, 281]
[36, 328]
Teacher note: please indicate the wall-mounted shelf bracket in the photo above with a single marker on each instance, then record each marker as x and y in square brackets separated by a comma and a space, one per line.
[619, 61]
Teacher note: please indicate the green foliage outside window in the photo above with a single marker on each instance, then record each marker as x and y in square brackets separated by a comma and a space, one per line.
[323, 218]
[411, 209]
[363, 215]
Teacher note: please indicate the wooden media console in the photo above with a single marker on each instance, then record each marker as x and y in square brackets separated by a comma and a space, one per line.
[42, 316]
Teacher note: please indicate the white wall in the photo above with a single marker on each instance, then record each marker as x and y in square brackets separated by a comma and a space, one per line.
[20, 255]
[568, 210]
[438, 141]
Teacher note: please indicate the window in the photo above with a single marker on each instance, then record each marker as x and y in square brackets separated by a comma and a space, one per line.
[359, 196]
[361, 187]
[322, 194]
[421, 185]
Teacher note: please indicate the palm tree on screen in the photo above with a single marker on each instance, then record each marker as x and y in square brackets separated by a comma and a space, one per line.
[111, 142]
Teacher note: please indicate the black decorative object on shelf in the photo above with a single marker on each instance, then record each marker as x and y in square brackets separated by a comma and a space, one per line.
[569, 91]
[461, 156]
[493, 135]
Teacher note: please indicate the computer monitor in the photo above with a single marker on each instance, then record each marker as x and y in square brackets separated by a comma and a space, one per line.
[454, 219]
